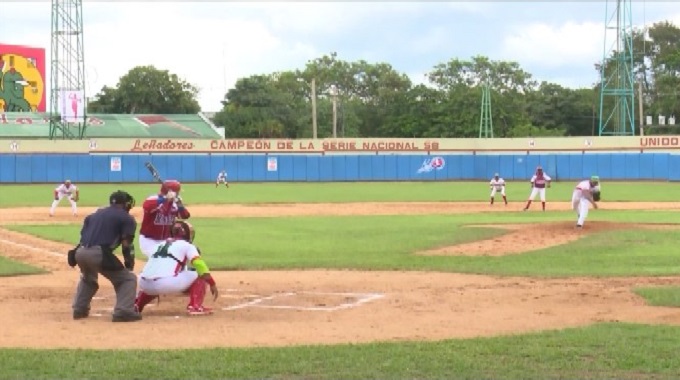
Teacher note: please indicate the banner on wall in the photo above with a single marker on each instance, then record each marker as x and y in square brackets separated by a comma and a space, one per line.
[436, 163]
[116, 164]
[272, 164]
[72, 106]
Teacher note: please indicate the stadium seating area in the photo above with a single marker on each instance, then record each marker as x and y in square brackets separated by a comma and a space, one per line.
[36, 125]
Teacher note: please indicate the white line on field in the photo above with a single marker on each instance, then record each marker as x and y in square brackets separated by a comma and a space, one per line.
[51, 253]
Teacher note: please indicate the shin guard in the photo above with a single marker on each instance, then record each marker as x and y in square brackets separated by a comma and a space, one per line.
[142, 300]
[196, 296]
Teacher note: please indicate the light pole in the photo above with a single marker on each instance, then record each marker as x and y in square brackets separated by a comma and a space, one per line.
[334, 98]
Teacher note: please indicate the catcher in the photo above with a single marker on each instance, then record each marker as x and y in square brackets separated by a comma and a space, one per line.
[166, 271]
[587, 192]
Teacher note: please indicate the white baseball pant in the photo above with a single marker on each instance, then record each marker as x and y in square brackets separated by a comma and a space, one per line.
[581, 205]
[55, 203]
[494, 190]
[537, 191]
[168, 285]
[148, 246]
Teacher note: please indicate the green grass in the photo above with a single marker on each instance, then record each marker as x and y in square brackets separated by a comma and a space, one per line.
[605, 351]
[97, 194]
[660, 296]
[389, 243]
[10, 267]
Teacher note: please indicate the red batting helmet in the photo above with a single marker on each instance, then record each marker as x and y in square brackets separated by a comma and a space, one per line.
[170, 184]
[183, 230]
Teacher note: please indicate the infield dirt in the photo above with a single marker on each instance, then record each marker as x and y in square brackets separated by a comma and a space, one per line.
[279, 308]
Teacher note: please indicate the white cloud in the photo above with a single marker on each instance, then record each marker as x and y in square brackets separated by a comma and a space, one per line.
[571, 43]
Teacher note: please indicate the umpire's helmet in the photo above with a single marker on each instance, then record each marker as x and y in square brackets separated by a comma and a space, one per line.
[123, 198]
[183, 230]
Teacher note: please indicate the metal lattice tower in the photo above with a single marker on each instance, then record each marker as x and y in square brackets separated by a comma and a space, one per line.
[485, 119]
[68, 120]
[617, 83]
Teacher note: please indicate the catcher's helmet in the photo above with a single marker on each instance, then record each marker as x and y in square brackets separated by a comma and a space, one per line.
[183, 230]
[170, 184]
[123, 198]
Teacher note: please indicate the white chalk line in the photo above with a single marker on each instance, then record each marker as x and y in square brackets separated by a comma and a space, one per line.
[361, 298]
[25, 246]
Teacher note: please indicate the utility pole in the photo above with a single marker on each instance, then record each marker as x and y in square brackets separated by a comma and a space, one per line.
[485, 118]
[642, 118]
[314, 125]
[334, 96]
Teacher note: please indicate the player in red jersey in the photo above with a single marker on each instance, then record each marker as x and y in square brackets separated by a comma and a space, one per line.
[160, 213]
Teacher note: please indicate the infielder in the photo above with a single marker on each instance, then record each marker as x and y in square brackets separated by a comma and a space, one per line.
[497, 184]
[587, 192]
[165, 272]
[69, 191]
[539, 182]
[160, 213]
[222, 179]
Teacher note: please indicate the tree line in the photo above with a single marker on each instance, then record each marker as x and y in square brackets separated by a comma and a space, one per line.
[363, 99]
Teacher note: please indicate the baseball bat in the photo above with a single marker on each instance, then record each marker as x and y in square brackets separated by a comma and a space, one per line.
[153, 171]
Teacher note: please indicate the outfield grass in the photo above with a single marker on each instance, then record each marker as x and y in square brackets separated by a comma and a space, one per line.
[97, 194]
[605, 351]
[10, 267]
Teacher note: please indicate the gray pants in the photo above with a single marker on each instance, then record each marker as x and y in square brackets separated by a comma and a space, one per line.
[124, 282]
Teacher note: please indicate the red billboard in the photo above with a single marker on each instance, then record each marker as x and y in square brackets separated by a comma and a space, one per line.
[22, 78]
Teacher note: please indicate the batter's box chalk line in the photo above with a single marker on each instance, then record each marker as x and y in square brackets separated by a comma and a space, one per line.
[360, 299]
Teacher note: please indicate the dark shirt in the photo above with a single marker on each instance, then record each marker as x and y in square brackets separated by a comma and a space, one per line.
[106, 227]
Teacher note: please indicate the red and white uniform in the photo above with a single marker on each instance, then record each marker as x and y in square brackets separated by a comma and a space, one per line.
[65, 190]
[580, 202]
[164, 272]
[538, 183]
[160, 213]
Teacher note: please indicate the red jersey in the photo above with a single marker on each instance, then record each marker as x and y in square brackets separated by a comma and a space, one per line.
[159, 215]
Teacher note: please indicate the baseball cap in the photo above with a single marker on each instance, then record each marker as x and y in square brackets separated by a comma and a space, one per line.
[595, 178]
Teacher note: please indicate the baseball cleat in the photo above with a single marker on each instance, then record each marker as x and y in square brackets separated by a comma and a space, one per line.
[201, 310]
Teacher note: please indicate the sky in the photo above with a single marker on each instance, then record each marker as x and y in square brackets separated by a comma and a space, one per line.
[212, 44]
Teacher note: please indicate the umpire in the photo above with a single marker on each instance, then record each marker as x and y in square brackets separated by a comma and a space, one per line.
[102, 232]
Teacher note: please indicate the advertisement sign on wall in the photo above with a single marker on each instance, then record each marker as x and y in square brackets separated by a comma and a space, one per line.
[22, 78]
[272, 164]
[116, 164]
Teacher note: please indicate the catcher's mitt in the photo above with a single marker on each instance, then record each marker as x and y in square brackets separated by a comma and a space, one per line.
[596, 196]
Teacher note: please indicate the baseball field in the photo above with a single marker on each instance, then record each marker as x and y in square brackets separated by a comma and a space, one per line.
[363, 280]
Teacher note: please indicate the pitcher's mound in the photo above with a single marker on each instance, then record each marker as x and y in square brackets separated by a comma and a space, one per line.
[521, 238]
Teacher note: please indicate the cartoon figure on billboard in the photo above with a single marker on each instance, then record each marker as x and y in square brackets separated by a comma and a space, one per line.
[21, 79]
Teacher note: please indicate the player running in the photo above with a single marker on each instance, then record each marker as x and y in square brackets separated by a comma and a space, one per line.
[539, 182]
[160, 213]
[165, 272]
[69, 191]
[497, 184]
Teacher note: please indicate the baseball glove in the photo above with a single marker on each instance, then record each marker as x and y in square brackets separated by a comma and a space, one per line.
[596, 196]
[75, 198]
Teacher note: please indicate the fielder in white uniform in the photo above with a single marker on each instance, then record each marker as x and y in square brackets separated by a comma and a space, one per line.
[497, 184]
[166, 272]
[582, 198]
[69, 191]
[222, 178]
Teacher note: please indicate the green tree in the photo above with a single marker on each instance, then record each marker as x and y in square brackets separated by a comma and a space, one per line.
[145, 89]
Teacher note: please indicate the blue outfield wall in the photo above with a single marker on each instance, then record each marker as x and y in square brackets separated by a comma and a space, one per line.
[41, 168]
